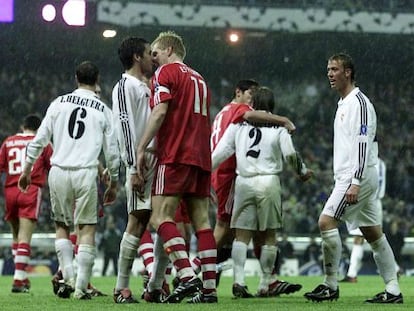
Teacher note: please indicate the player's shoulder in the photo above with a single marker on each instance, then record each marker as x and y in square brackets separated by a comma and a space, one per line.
[18, 139]
[233, 106]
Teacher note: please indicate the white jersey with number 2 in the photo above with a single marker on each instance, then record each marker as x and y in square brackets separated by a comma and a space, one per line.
[259, 150]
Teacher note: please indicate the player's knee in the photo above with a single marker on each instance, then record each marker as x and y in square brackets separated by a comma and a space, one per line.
[326, 223]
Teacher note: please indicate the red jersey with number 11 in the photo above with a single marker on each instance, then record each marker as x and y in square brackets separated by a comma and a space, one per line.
[184, 136]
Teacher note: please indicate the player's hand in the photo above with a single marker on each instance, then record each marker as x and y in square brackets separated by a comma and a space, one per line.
[110, 194]
[351, 194]
[309, 174]
[104, 177]
[290, 126]
[24, 182]
[141, 170]
[137, 186]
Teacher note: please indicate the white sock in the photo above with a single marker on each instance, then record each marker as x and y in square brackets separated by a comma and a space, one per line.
[267, 262]
[355, 261]
[384, 258]
[86, 258]
[161, 261]
[64, 252]
[332, 250]
[127, 253]
[239, 255]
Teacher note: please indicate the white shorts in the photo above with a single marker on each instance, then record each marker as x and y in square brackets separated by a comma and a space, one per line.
[74, 195]
[134, 203]
[365, 212]
[357, 232]
[257, 203]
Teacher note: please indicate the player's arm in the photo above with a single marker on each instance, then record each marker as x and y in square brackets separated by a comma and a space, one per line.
[36, 146]
[155, 121]
[112, 159]
[359, 150]
[293, 157]
[226, 146]
[257, 116]
[360, 145]
[3, 158]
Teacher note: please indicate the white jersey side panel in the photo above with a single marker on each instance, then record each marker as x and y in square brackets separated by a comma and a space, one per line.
[131, 110]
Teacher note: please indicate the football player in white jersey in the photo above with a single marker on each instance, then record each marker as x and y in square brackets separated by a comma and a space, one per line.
[131, 110]
[355, 154]
[357, 253]
[81, 126]
[260, 153]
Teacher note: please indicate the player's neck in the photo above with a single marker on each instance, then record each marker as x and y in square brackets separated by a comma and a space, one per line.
[136, 72]
[348, 89]
[239, 101]
[29, 132]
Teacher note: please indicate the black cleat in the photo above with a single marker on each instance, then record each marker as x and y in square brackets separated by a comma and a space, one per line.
[94, 292]
[203, 298]
[55, 281]
[175, 282]
[156, 296]
[20, 289]
[281, 287]
[124, 296]
[64, 290]
[185, 289]
[321, 293]
[241, 291]
[82, 296]
[386, 297]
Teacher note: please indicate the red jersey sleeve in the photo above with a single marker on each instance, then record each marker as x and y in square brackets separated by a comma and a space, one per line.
[231, 113]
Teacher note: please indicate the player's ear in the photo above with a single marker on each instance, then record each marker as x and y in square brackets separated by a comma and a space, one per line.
[170, 50]
[348, 72]
[137, 57]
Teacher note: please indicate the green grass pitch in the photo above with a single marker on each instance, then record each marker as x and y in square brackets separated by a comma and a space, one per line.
[352, 297]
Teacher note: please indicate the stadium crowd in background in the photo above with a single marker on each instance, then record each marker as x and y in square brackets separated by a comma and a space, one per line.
[308, 102]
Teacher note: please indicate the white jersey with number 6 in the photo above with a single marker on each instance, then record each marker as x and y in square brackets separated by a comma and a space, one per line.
[80, 125]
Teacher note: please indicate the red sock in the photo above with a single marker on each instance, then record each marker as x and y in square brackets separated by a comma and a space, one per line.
[146, 249]
[174, 246]
[208, 256]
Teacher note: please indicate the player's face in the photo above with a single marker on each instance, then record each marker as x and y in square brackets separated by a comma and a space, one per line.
[337, 75]
[246, 96]
[98, 90]
[159, 55]
[146, 61]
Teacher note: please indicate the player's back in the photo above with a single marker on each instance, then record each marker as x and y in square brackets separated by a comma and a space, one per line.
[184, 136]
[230, 113]
[12, 157]
[259, 149]
[79, 121]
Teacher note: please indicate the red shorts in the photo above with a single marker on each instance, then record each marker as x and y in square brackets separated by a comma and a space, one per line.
[224, 189]
[181, 179]
[181, 214]
[22, 204]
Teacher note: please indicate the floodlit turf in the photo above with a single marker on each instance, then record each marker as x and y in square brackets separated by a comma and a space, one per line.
[352, 297]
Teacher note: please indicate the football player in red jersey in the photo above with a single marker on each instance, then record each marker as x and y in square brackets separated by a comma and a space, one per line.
[22, 209]
[180, 121]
